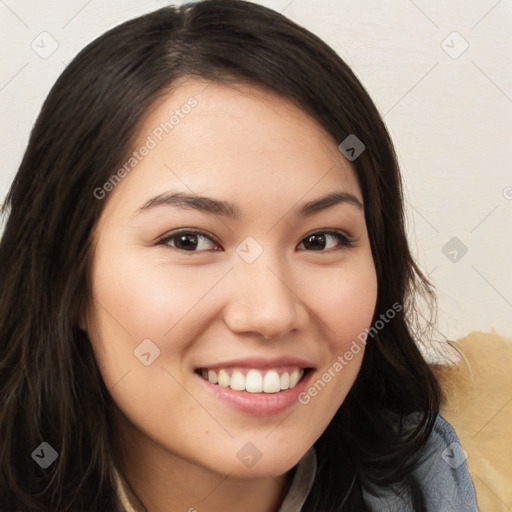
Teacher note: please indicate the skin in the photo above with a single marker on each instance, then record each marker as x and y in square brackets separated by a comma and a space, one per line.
[177, 445]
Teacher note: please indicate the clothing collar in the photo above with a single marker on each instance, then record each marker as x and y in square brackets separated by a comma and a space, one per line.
[305, 472]
[301, 484]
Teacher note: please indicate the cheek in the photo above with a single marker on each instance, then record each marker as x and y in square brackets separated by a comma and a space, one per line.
[135, 301]
[346, 313]
[345, 301]
[139, 299]
[354, 310]
[149, 298]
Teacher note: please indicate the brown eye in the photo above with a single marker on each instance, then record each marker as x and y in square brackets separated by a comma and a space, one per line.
[189, 241]
[322, 240]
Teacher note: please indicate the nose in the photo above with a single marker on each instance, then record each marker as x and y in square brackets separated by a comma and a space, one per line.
[263, 299]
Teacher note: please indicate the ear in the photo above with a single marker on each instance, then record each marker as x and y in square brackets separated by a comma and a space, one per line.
[82, 319]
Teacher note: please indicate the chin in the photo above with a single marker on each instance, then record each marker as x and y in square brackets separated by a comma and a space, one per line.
[258, 459]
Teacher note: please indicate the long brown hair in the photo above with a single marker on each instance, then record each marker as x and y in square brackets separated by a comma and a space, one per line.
[50, 387]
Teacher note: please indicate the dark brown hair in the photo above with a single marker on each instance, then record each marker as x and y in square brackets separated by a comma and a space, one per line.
[50, 387]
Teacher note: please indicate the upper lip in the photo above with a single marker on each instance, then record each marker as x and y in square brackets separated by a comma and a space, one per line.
[260, 362]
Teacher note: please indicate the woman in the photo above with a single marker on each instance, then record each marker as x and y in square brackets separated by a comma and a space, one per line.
[207, 288]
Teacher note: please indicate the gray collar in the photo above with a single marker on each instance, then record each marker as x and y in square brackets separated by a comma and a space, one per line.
[302, 482]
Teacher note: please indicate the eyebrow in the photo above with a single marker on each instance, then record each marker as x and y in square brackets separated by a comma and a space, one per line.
[231, 210]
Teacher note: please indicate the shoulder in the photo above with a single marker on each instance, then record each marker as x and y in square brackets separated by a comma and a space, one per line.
[441, 473]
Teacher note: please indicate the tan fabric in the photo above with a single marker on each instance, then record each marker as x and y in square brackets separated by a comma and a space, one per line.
[479, 406]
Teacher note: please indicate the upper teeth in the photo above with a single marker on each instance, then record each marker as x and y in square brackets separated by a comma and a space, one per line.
[254, 381]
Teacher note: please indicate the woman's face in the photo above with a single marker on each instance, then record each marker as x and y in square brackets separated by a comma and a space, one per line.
[219, 278]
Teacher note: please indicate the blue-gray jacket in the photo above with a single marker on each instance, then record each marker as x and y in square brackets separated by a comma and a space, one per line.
[442, 475]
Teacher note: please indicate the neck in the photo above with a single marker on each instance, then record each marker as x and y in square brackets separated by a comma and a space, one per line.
[165, 482]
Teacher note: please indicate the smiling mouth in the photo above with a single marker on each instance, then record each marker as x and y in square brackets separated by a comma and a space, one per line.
[253, 380]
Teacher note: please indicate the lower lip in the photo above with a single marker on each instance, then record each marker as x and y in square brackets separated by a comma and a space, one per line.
[258, 404]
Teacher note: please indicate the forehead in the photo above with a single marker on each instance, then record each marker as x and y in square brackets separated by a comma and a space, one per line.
[233, 141]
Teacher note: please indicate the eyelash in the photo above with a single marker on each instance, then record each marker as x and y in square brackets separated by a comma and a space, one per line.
[345, 241]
